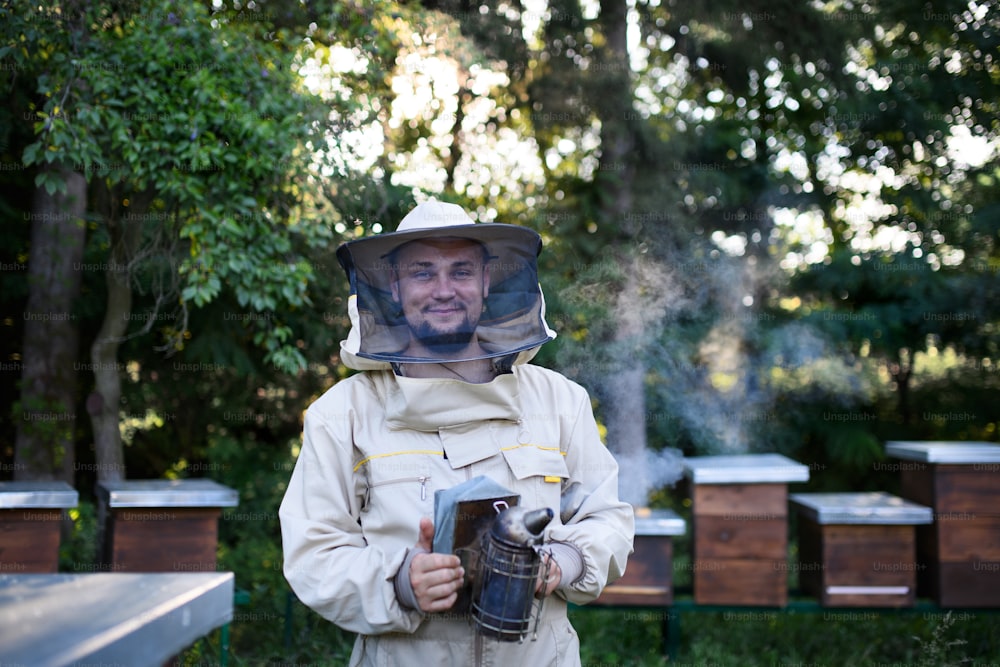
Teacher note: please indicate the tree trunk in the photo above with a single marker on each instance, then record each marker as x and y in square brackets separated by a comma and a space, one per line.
[624, 390]
[44, 445]
[901, 372]
[103, 404]
[455, 150]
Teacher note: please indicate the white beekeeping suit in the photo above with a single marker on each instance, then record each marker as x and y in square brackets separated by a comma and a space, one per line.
[377, 445]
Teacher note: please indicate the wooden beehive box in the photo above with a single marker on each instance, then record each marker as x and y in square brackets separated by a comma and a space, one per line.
[648, 579]
[30, 518]
[161, 525]
[858, 549]
[959, 553]
[740, 527]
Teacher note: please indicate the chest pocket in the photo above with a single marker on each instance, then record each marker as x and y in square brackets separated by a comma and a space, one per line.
[539, 472]
[400, 489]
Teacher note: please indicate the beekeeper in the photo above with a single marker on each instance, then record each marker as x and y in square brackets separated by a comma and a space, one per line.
[445, 315]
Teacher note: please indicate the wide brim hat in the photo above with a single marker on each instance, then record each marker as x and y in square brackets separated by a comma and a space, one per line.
[514, 314]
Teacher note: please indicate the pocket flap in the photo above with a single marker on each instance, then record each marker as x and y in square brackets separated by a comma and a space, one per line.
[536, 460]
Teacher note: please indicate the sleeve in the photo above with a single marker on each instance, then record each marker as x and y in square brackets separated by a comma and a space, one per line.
[594, 521]
[327, 561]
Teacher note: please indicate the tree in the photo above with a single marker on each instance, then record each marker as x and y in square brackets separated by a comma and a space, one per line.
[697, 155]
[193, 135]
[915, 268]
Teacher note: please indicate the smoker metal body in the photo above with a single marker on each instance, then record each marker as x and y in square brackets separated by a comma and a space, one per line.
[508, 570]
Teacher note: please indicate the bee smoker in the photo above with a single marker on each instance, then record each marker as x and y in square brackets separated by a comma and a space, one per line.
[508, 570]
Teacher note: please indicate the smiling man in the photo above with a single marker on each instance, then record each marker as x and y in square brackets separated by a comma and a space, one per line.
[441, 287]
[445, 315]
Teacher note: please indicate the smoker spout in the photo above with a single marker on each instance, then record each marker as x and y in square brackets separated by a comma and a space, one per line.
[521, 527]
[536, 520]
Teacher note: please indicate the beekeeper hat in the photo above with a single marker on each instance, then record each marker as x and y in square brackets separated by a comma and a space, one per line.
[514, 315]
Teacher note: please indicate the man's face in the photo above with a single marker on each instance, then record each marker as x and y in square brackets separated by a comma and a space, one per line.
[441, 286]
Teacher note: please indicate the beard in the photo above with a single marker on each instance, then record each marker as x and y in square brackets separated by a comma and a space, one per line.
[444, 342]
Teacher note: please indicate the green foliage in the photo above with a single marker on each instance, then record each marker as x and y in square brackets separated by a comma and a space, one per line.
[212, 120]
[250, 539]
[81, 552]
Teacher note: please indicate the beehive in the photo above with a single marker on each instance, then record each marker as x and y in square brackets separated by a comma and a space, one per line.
[161, 525]
[959, 553]
[740, 527]
[648, 579]
[30, 518]
[858, 549]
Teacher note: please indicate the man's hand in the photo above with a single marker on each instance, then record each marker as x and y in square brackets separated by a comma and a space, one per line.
[547, 584]
[435, 578]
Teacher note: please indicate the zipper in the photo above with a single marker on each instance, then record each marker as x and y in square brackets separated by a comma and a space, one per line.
[399, 480]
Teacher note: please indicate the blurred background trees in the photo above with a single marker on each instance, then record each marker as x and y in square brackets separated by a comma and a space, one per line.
[768, 227]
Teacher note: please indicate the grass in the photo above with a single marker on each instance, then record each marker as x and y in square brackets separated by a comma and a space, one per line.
[791, 638]
[633, 637]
